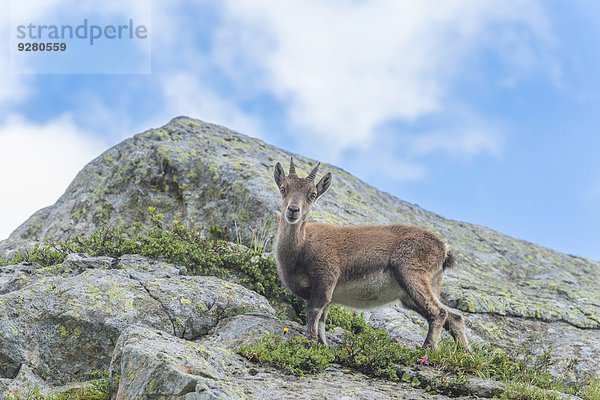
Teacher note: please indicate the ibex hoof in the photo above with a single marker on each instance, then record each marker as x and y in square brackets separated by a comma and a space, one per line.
[429, 346]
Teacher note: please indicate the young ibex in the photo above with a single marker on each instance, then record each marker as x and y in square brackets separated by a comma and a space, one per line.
[358, 266]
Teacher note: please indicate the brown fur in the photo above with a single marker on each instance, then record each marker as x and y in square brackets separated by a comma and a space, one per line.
[358, 266]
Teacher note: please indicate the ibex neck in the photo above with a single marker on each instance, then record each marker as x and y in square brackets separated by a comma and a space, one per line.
[289, 242]
[290, 235]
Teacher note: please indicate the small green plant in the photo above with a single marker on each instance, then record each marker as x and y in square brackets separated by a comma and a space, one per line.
[373, 353]
[32, 394]
[591, 389]
[217, 233]
[522, 391]
[295, 356]
[260, 236]
[348, 320]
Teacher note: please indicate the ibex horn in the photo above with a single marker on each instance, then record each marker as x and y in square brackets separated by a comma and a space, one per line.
[292, 167]
[313, 173]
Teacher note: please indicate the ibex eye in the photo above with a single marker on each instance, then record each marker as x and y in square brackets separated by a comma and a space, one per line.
[313, 196]
[282, 190]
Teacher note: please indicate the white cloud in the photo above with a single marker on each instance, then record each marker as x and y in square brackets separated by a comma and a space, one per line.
[37, 162]
[345, 68]
[465, 144]
[388, 166]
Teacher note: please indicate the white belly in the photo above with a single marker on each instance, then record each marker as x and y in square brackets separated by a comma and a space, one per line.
[371, 291]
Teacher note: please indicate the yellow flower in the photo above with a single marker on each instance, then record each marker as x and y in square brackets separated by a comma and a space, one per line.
[285, 330]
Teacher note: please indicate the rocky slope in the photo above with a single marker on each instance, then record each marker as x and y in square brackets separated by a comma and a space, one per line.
[160, 333]
[512, 293]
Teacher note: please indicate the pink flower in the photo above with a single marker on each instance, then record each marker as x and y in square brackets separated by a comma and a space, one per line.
[423, 360]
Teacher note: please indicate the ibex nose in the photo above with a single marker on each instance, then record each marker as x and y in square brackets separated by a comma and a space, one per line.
[294, 209]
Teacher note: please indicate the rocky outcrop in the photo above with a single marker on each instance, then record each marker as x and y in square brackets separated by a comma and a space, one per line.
[159, 333]
[203, 175]
[512, 293]
[63, 321]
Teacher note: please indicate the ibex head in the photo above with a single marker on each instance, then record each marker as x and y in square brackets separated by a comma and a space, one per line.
[299, 194]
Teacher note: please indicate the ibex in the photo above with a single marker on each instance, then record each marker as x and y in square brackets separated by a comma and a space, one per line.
[358, 266]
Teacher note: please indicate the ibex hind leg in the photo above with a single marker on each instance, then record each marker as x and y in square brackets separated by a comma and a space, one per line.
[455, 324]
[418, 287]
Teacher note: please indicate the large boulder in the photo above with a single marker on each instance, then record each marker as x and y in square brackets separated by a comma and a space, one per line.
[64, 321]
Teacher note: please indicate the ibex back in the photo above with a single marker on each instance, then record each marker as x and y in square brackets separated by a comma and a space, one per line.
[359, 266]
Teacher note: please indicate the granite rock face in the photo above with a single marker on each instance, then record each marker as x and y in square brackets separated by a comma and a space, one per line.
[64, 322]
[512, 293]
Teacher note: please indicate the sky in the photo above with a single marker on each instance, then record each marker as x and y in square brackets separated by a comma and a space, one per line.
[481, 111]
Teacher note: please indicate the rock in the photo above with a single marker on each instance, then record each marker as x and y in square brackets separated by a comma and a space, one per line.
[151, 364]
[403, 325]
[147, 363]
[65, 326]
[14, 277]
[566, 342]
[204, 174]
[246, 330]
[26, 384]
[470, 387]
[195, 304]
[4, 384]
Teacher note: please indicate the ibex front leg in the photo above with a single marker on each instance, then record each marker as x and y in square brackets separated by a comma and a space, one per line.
[316, 308]
[322, 323]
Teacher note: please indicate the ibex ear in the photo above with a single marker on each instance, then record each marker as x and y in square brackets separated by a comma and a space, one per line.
[279, 174]
[323, 184]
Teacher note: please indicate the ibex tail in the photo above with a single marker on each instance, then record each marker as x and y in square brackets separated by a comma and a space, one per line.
[449, 260]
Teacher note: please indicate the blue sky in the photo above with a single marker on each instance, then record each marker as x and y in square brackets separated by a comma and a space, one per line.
[480, 111]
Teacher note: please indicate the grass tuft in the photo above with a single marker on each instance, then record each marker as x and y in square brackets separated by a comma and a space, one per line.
[294, 356]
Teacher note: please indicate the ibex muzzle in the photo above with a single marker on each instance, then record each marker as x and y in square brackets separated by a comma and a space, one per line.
[358, 266]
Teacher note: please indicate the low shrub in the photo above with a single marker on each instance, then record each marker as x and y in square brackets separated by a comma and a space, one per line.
[295, 356]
